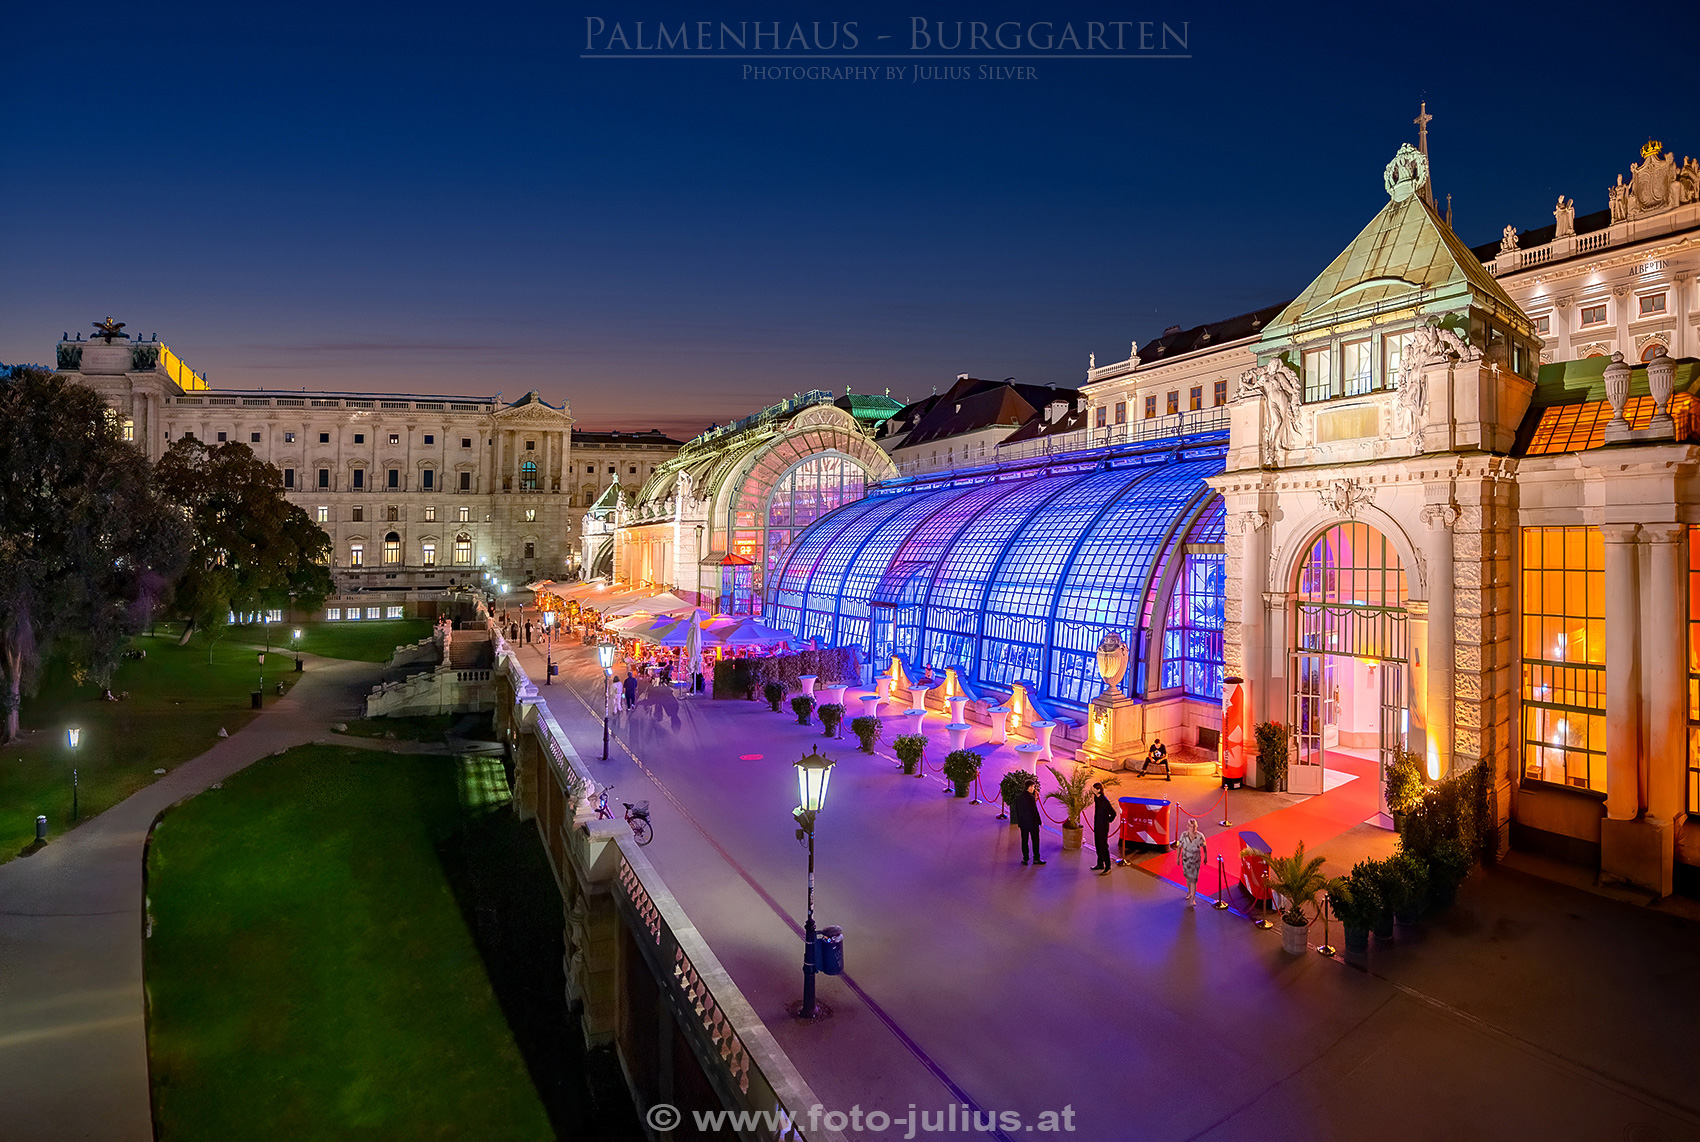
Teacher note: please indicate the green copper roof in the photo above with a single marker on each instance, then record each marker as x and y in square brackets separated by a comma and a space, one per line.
[1405, 257]
[1573, 382]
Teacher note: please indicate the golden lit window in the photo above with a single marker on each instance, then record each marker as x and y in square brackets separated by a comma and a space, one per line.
[1564, 655]
[1577, 427]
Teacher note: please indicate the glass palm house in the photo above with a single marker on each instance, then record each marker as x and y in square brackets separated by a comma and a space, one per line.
[1014, 574]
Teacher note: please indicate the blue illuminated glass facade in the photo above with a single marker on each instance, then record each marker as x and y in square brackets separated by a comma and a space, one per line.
[1016, 574]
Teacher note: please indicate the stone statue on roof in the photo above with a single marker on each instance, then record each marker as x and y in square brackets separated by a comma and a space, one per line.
[1508, 239]
[1564, 214]
[1406, 174]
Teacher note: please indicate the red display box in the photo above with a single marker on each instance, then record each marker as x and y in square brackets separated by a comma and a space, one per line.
[1149, 821]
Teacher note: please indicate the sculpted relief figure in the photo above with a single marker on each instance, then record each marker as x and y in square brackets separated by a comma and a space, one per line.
[1656, 184]
[1429, 344]
[1278, 387]
[1508, 240]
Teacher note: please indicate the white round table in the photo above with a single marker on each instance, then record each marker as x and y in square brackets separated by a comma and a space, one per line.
[1000, 723]
[1030, 754]
[913, 717]
[882, 685]
[958, 732]
[808, 683]
[832, 695]
[870, 705]
[1042, 736]
[957, 705]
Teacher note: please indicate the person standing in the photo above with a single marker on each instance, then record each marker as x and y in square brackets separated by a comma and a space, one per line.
[1192, 850]
[1103, 814]
[528, 632]
[631, 687]
[1025, 813]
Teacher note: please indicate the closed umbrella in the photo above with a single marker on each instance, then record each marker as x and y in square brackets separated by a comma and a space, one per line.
[693, 644]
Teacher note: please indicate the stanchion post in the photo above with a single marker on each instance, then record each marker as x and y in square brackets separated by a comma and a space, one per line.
[1221, 879]
[1224, 822]
[1325, 948]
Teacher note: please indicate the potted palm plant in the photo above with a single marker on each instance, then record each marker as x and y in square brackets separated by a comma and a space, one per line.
[961, 767]
[1298, 879]
[1011, 786]
[908, 749]
[867, 730]
[1073, 792]
[831, 717]
[803, 705]
[774, 693]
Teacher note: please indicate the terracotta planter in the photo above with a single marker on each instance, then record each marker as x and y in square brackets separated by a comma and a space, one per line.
[1294, 937]
[1071, 836]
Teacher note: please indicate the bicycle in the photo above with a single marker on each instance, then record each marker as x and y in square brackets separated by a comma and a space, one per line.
[637, 816]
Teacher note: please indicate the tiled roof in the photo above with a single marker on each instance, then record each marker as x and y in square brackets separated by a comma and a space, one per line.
[1209, 335]
[972, 405]
[653, 436]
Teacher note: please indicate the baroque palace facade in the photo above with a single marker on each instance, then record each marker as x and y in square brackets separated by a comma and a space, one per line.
[1445, 501]
[416, 492]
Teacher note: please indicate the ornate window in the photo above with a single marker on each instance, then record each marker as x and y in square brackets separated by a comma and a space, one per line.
[1174, 403]
[802, 495]
[1564, 656]
[428, 553]
[392, 549]
[357, 555]
[528, 476]
[1151, 406]
[1192, 637]
[463, 550]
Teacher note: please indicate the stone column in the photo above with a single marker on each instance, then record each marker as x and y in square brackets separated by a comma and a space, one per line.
[1254, 527]
[543, 481]
[1665, 634]
[1442, 633]
[1623, 692]
[495, 451]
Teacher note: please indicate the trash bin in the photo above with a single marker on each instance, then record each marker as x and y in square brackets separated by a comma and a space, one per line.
[254, 700]
[41, 835]
[554, 669]
[829, 950]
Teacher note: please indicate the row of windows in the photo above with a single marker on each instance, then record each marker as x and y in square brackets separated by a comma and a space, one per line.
[390, 552]
[392, 514]
[352, 614]
[1564, 654]
[1172, 405]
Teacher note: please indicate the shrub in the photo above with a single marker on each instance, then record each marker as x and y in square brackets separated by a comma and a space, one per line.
[1272, 755]
[1356, 899]
[908, 749]
[1074, 792]
[1299, 878]
[1448, 866]
[962, 766]
[1404, 782]
[867, 730]
[1012, 783]
[1404, 885]
[774, 693]
[803, 705]
[833, 667]
[831, 715]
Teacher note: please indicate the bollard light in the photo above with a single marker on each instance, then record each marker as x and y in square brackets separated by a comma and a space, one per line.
[74, 737]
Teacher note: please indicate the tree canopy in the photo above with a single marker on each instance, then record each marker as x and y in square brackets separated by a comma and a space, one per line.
[252, 549]
[88, 545]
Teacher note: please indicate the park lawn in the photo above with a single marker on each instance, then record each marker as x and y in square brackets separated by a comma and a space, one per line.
[309, 972]
[366, 640]
[423, 727]
[177, 704]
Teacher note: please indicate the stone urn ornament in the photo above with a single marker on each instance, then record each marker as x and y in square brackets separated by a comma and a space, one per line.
[1661, 376]
[1112, 660]
[1617, 387]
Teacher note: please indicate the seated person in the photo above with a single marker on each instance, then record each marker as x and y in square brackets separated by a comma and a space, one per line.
[1158, 755]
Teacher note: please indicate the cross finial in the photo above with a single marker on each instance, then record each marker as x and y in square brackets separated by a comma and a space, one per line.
[1422, 121]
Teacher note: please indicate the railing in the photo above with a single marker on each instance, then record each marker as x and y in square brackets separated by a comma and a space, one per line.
[771, 412]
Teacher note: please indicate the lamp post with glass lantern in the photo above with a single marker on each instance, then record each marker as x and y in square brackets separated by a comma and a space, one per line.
[73, 739]
[548, 647]
[814, 773]
[605, 656]
[295, 641]
[259, 695]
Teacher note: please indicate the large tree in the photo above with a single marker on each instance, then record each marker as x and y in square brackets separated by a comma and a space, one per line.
[88, 545]
[252, 549]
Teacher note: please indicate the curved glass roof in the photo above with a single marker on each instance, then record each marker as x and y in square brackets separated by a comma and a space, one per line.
[1010, 575]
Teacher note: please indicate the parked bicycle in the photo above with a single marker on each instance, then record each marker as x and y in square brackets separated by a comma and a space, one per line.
[637, 816]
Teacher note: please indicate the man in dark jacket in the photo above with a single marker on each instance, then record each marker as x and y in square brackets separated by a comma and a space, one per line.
[1025, 813]
[1103, 815]
[631, 685]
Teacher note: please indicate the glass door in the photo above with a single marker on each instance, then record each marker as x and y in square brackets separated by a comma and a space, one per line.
[1305, 757]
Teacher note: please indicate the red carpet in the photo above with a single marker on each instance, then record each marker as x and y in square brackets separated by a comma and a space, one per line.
[1314, 820]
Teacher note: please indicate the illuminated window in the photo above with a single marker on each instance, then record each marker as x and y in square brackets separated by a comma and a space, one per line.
[373, 612]
[1359, 377]
[393, 612]
[1593, 315]
[430, 514]
[805, 493]
[1192, 634]
[428, 553]
[333, 614]
[1564, 655]
[392, 549]
[465, 515]
[1121, 412]
[356, 555]
[395, 438]
[1100, 416]
[463, 550]
[1151, 406]
[1174, 403]
[1195, 399]
[528, 476]
[530, 515]
[289, 438]
[1652, 304]
[1221, 393]
[1318, 374]
[322, 514]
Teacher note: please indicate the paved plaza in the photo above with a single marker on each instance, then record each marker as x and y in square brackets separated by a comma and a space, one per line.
[1537, 1009]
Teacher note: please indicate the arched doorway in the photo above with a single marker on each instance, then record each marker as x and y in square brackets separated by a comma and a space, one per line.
[1349, 653]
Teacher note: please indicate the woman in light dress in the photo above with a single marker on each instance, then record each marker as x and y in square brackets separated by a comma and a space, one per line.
[1192, 852]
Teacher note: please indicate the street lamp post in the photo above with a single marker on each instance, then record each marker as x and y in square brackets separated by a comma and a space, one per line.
[260, 694]
[814, 772]
[295, 640]
[699, 564]
[548, 647]
[605, 656]
[74, 738]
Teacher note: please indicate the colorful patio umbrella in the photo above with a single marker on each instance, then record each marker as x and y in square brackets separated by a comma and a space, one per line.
[754, 632]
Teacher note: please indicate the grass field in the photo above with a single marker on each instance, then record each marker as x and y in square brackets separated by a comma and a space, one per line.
[177, 704]
[311, 972]
[423, 727]
[363, 641]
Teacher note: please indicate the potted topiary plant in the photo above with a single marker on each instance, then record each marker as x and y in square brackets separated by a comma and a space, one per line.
[1272, 755]
[831, 717]
[1298, 879]
[1448, 865]
[803, 705]
[867, 730]
[1356, 900]
[774, 693]
[1074, 793]
[961, 767]
[1404, 884]
[908, 749]
[1011, 786]
[1404, 786]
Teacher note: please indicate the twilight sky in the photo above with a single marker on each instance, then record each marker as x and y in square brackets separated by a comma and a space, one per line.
[451, 199]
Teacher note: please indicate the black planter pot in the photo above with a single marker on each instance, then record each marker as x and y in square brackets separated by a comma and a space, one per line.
[1399, 823]
[1356, 947]
[909, 768]
[802, 719]
[961, 788]
[1384, 927]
